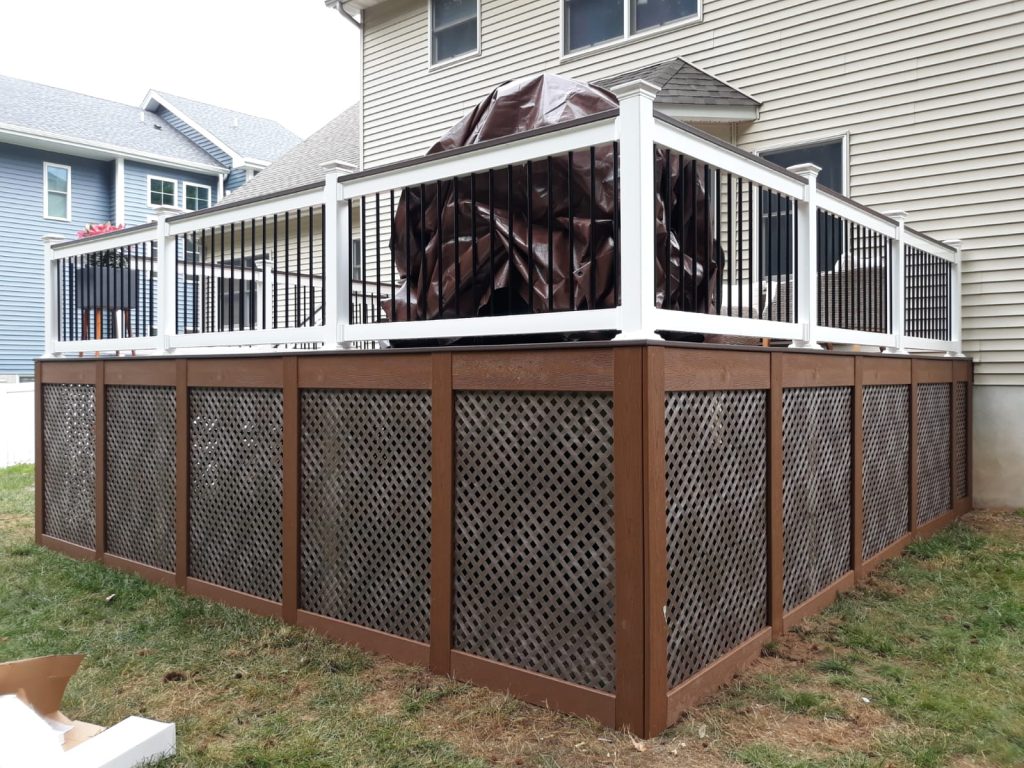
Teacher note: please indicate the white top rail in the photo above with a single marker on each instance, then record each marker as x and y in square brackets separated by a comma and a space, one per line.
[929, 246]
[216, 217]
[845, 208]
[120, 239]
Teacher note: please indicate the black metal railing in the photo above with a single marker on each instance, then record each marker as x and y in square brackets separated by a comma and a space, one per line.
[109, 293]
[534, 237]
[854, 275]
[724, 245]
[928, 295]
[256, 274]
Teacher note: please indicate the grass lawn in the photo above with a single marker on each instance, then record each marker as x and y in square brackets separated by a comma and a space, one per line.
[922, 667]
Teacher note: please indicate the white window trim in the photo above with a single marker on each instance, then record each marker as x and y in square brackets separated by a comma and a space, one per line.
[184, 194]
[46, 191]
[433, 65]
[628, 37]
[818, 139]
[149, 190]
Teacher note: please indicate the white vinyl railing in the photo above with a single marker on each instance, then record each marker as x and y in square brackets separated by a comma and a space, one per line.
[744, 248]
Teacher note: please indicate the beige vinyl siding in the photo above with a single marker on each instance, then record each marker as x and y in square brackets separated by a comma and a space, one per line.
[929, 94]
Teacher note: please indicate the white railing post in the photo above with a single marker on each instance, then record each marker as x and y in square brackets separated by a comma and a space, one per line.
[337, 258]
[897, 283]
[51, 309]
[806, 266]
[955, 307]
[166, 279]
[635, 134]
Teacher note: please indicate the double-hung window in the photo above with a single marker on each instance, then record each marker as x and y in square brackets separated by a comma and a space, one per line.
[590, 22]
[454, 28]
[197, 197]
[162, 191]
[57, 191]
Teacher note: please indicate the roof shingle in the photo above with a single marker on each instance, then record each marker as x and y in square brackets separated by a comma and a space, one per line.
[681, 83]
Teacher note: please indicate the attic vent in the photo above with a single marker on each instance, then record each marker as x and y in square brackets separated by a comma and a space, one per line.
[158, 127]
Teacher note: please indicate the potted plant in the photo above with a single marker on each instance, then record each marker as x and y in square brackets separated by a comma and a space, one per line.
[104, 281]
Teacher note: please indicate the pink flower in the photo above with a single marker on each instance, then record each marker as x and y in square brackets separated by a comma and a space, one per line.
[99, 229]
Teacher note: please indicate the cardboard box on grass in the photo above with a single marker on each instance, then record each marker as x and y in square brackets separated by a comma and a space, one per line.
[41, 682]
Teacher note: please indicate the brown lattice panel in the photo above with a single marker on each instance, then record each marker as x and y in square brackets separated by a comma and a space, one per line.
[235, 477]
[933, 476]
[886, 466]
[69, 463]
[962, 436]
[140, 470]
[365, 521]
[716, 487]
[534, 533]
[816, 458]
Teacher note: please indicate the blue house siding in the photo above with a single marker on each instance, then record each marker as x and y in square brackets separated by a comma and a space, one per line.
[136, 189]
[235, 179]
[195, 136]
[22, 227]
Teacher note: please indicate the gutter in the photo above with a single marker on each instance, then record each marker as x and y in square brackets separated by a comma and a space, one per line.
[339, 6]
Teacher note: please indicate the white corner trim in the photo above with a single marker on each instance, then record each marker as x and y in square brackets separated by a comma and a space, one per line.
[119, 190]
[154, 97]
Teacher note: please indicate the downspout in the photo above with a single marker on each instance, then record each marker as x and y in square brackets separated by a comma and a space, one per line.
[339, 6]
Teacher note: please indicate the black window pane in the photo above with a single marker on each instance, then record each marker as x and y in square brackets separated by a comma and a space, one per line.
[654, 13]
[455, 40]
[828, 156]
[588, 22]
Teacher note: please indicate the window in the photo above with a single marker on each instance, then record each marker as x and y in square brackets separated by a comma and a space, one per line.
[830, 157]
[357, 259]
[453, 29]
[162, 191]
[197, 197]
[589, 22]
[57, 191]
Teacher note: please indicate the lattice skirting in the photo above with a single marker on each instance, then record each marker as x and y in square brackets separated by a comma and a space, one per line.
[716, 488]
[365, 520]
[816, 457]
[140, 474]
[933, 476]
[235, 484]
[69, 463]
[960, 395]
[534, 533]
[886, 466]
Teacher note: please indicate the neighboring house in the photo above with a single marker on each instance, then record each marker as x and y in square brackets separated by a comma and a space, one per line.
[912, 107]
[68, 160]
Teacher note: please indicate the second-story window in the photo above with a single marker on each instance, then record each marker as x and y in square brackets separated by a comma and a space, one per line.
[197, 197]
[57, 192]
[453, 29]
[162, 191]
[591, 22]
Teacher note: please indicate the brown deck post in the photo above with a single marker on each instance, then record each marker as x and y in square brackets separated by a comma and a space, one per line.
[630, 532]
[40, 458]
[914, 375]
[100, 542]
[951, 410]
[776, 551]
[442, 511]
[290, 490]
[181, 478]
[655, 544]
[857, 478]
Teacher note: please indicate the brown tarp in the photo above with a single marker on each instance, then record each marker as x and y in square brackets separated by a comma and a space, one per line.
[519, 260]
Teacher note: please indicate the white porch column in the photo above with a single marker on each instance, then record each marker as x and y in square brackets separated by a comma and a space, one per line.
[166, 279]
[337, 256]
[956, 299]
[805, 270]
[51, 309]
[897, 282]
[634, 131]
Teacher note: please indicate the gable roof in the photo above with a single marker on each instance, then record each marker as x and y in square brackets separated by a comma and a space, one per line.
[240, 135]
[338, 140]
[681, 84]
[44, 112]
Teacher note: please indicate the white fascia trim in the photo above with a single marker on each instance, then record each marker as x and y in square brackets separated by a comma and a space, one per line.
[75, 146]
[710, 114]
[154, 97]
[253, 163]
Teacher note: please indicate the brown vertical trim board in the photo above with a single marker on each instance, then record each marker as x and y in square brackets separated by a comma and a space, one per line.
[101, 460]
[655, 544]
[776, 567]
[913, 446]
[182, 472]
[857, 476]
[442, 512]
[630, 625]
[38, 392]
[970, 435]
[290, 448]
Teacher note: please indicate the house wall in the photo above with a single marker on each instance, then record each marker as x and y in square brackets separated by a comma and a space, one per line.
[22, 227]
[929, 93]
[136, 189]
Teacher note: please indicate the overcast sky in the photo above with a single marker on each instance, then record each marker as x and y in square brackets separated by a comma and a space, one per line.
[294, 61]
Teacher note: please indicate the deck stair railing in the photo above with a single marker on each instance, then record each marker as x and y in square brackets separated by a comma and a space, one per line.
[699, 240]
